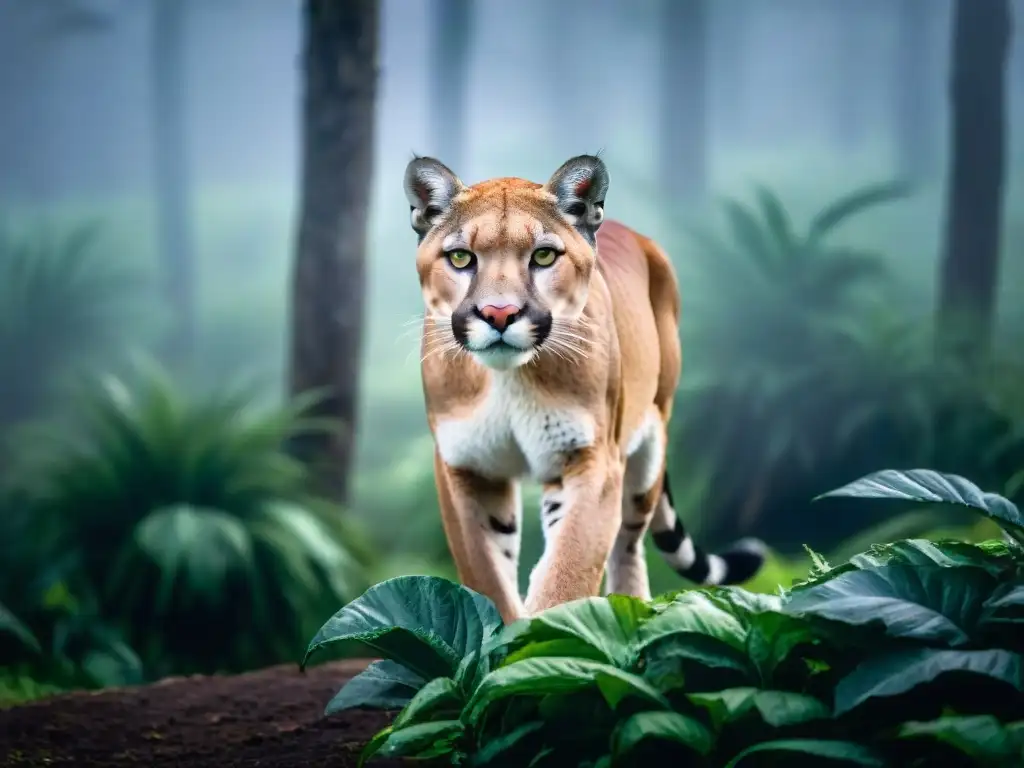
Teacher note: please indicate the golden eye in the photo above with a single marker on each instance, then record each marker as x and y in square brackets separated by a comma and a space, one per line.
[459, 259]
[544, 257]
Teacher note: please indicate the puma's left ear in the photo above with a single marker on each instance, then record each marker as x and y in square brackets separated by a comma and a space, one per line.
[580, 186]
[430, 188]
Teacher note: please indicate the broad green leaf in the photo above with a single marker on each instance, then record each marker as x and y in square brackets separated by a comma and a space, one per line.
[981, 737]
[440, 696]
[425, 623]
[195, 546]
[497, 750]
[373, 745]
[608, 624]
[994, 559]
[13, 625]
[741, 603]
[382, 685]
[422, 740]
[926, 486]
[563, 646]
[663, 726]
[1006, 597]
[776, 708]
[692, 612]
[473, 668]
[928, 603]
[772, 637]
[841, 751]
[666, 661]
[542, 676]
[896, 672]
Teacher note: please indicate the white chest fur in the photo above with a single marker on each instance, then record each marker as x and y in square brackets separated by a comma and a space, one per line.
[512, 433]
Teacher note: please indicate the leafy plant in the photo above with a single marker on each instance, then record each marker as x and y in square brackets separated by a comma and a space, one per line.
[50, 639]
[907, 652]
[182, 513]
[65, 308]
[807, 369]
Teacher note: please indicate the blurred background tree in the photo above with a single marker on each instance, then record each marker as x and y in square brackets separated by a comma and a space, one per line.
[211, 422]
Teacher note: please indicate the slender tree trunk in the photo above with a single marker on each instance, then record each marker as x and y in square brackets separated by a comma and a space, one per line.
[449, 80]
[849, 87]
[683, 130]
[329, 277]
[175, 245]
[915, 139]
[970, 263]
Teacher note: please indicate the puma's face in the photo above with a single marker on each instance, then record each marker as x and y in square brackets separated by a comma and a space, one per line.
[508, 283]
[505, 270]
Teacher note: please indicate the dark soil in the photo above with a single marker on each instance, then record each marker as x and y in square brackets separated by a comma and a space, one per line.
[270, 718]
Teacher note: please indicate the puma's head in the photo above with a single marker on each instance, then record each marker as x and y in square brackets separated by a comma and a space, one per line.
[505, 265]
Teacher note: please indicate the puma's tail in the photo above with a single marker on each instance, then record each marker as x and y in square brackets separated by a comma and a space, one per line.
[733, 565]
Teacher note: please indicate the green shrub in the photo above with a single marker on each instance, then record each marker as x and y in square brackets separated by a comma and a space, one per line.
[192, 524]
[908, 652]
[65, 307]
[50, 639]
[806, 368]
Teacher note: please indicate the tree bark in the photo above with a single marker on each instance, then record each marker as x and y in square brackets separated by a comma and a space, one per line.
[683, 129]
[974, 201]
[915, 140]
[449, 80]
[328, 281]
[175, 246]
[849, 86]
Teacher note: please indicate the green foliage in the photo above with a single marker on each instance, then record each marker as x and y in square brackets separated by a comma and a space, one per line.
[909, 651]
[65, 308]
[806, 368]
[190, 523]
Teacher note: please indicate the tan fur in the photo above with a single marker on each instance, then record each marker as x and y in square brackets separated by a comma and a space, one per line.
[606, 374]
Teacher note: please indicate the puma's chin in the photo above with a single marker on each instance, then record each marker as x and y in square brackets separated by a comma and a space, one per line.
[503, 357]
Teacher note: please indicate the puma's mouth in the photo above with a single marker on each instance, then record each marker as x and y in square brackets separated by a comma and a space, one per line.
[502, 356]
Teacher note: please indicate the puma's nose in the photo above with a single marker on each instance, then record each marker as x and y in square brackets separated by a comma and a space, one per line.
[499, 317]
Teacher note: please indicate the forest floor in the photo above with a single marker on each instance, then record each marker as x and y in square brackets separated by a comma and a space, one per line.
[270, 718]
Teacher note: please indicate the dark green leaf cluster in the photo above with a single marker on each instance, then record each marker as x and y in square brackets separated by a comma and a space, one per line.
[910, 652]
[187, 523]
[809, 364]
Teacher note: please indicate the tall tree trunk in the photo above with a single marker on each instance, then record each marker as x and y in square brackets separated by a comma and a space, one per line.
[970, 262]
[850, 84]
[449, 80]
[175, 245]
[683, 130]
[329, 277]
[915, 137]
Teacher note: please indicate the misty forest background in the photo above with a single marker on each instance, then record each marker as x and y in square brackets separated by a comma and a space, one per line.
[211, 425]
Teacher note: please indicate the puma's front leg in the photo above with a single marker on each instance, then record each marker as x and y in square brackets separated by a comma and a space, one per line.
[481, 521]
[586, 503]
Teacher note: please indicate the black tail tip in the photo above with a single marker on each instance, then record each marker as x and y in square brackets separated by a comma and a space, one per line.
[743, 559]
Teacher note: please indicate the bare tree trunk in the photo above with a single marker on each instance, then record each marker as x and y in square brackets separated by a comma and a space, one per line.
[915, 137]
[849, 86]
[970, 263]
[683, 139]
[175, 245]
[449, 80]
[329, 278]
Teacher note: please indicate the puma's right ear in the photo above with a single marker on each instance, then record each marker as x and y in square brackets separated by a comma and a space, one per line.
[430, 188]
[580, 186]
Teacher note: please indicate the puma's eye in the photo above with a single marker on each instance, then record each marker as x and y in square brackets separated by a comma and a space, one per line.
[459, 259]
[544, 257]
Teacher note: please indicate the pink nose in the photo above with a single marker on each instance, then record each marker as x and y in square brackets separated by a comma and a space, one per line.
[499, 317]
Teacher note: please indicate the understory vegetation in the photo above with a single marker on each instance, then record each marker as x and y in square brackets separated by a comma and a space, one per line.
[908, 653]
[139, 502]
